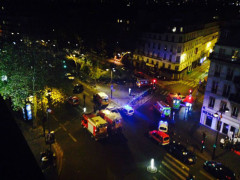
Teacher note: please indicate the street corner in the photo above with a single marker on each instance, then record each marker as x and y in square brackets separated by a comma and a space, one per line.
[59, 157]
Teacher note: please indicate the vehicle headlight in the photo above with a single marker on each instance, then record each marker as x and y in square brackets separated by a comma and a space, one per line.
[190, 159]
[185, 153]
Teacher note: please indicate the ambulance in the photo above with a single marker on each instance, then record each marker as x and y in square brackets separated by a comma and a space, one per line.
[163, 108]
[113, 118]
[101, 98]
[96, 125]
[174, 100]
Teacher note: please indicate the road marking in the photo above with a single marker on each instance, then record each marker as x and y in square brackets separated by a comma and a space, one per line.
[183, 165]
[55, 118]
[57, 129]
[177, 167]
[206, 175]
[73, 138]
[154, 177]
[63, 127]
[164, 175]
[66, 123]
[165, 93]
[179, 175]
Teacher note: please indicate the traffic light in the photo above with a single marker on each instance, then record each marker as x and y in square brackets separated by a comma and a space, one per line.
[64, 64]
[154, 80]
[203, 141]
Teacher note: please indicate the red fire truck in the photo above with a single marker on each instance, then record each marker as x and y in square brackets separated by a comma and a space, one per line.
[113, 118]
[96, 125]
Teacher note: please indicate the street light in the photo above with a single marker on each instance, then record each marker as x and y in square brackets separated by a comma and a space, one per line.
[219, 117]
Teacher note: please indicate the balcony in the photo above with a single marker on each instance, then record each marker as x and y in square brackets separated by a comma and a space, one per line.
[223, 57]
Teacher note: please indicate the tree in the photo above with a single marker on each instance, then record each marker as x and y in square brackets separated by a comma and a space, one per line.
[29, 68]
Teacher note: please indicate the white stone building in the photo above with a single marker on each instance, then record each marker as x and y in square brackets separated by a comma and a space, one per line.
[223, 85]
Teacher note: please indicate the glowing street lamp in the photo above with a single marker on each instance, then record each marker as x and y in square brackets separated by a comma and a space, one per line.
[152, 168]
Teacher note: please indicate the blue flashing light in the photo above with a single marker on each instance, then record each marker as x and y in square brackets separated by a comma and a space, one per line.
[127, 107]
[29, 111]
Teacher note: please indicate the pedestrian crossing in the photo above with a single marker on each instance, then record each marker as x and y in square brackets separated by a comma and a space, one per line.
[172, 169]
[187, 83]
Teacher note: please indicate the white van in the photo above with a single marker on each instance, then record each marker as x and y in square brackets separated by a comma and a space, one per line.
[163, 126]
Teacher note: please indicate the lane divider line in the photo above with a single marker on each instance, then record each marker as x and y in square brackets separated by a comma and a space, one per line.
[174, 159]
[206, 175]
[73, 138]
[175, 172]
[63, 126]
[177, 167]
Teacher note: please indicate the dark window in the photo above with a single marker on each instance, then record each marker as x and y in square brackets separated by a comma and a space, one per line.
[171, 48]
[211, 102]
[159, 37]
[229, 74]
[223, 106]
[179, 49]
[166, 38]
[176, 68]
[169, 66]
[163, 65]
[214, 87]
[164, 56]
[235, 111]
[159, 46]
[180, 39]
[226, 90]
[225, 128]
[170, 58]
[173, 38]
[217, 70]
[178, 59]
[209, 121]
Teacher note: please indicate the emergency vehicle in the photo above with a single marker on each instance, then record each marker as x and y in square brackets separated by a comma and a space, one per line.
[161, 137]
[96, 125]
[163, 108]
[113, 118]
[163, 126]
[101, 98]
[174, 100]
[143, 82]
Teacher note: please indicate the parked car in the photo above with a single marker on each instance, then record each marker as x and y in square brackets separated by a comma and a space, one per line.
[69, 76]
[73, 100]
[181, 152]
[218, 170]
[161, 137]
[78, 88]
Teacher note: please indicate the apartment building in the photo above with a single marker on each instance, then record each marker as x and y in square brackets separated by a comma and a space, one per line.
[177, 50]
[223, 85]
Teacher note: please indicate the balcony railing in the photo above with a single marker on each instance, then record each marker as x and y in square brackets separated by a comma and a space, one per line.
[224, 57]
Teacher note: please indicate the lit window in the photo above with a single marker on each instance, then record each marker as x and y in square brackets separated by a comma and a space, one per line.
[181, 29]
[128, 21]
[120, 21]
[174, 29]
[2, 8]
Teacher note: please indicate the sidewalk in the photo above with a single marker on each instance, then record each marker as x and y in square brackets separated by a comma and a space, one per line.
[36, 142]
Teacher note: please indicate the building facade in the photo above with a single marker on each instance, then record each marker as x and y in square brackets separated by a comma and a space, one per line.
[223, 90]
[177, 51]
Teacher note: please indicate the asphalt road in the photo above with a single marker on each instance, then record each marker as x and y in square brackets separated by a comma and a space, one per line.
[120, 157]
